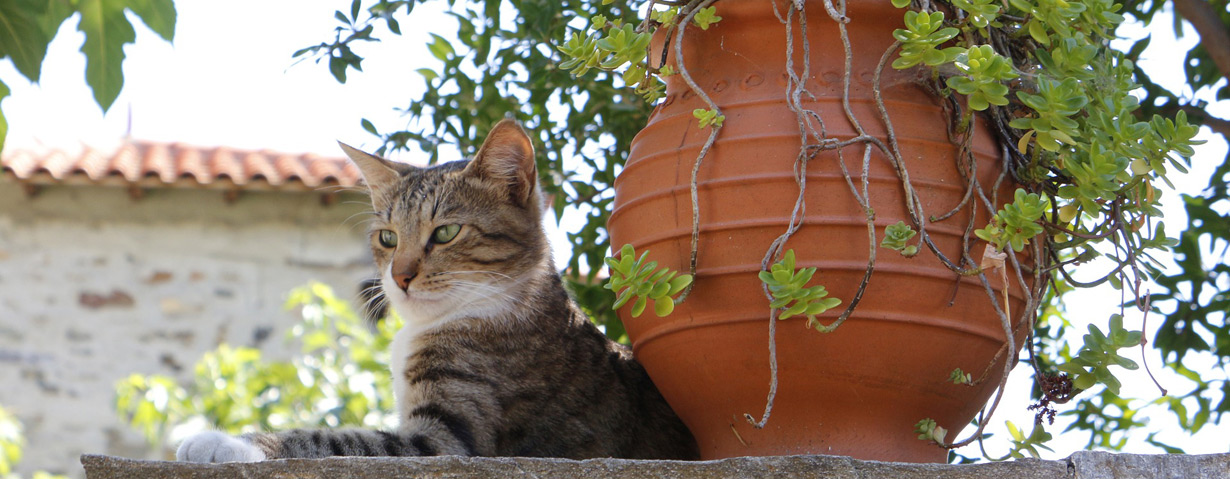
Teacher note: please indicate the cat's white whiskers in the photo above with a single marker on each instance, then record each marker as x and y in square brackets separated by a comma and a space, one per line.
[489, 291]
[364, 222]
[493, 273]
[377, 300]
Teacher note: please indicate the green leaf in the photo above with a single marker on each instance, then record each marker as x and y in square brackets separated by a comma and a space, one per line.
[441, 48]
[797, 308]
[706, 17]
[106, 32]
[4, 124]
[158, 15]
[1037, 31]
[368, 126]
[642, 280]
[1084, 381]
[660, 288]
[896, 235]
[337, 66]
[22, 38]
[663, 307]
[639, 306]
[679, 283]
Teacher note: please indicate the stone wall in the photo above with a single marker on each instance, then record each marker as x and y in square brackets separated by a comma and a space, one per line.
[95, 285]
[1082, 465]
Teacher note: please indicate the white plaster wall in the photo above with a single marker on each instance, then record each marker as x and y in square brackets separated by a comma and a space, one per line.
[95, 286]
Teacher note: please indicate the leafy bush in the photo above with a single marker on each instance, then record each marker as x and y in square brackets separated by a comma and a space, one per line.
[11, 444]
[341, 378]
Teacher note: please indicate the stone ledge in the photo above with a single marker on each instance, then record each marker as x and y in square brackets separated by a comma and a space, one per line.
[1082, 465]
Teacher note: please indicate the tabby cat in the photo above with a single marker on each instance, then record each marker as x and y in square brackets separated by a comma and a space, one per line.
[494, 358]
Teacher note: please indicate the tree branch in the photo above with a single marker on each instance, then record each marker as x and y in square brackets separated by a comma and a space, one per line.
[1213, 34]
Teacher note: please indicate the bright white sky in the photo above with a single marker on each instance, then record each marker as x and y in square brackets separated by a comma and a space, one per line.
[228, 80]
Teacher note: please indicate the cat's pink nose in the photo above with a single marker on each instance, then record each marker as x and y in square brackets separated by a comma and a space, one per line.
[403, 280]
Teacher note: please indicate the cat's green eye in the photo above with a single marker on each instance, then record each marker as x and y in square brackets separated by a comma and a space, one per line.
[387, 238]
[445, 233]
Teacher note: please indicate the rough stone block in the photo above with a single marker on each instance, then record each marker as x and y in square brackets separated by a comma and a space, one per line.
[1082, 465]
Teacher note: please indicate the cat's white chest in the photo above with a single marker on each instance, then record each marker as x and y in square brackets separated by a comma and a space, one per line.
[400, 350]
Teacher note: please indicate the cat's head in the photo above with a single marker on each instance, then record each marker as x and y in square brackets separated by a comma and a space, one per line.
[457, 239]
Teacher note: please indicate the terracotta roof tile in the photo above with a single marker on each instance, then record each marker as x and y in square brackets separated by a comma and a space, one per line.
[127, 163]
[148, 164]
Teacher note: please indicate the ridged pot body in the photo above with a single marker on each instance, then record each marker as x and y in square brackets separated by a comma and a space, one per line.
[857, 391]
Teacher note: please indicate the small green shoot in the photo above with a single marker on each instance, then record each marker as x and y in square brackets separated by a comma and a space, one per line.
[708, 117]
[896, 236]
[634, 277]
[928, 430]
[706, 17]
[983, 70]
[789, 293]
[1101, 351]
[921, 37]
[960, 377]
[1017, 222]
[1022, 444]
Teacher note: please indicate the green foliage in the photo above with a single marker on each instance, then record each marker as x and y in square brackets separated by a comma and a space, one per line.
[632, 277]
[341, 57]
[11, 444]
[705, 17]
[4, 124]
[28, 26]
[1101, 351]
[341, 378]
[1022, 444]
[106, 32]
[960, 377]
[708, 117]
[1016, 223]
[1055, 103]
[1117, 141]
[793, 297]
[583, 52]
[928, 430]
[981, 13]
[623, 47]
[1107, 417]
[611, 48]
[896, 237]
[616, 46]
[1194, 292]
[1087, 151]
[22, 36]
[984, 71]
[1191, 299]
[921, 36]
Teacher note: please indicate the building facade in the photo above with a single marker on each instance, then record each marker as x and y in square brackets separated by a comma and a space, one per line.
[142, 258]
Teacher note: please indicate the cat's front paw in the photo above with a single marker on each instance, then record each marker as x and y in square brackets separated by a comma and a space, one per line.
[213, 446]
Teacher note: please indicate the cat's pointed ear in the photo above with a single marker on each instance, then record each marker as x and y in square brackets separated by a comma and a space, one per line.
[508, 155]
[377, 172]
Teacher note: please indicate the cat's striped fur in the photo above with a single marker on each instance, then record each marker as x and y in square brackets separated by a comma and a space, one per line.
[494, 359]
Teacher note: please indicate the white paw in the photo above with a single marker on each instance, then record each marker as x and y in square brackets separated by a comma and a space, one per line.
[213, 446]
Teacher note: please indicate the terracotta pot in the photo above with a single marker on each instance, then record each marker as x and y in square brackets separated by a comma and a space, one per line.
[860, 390]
